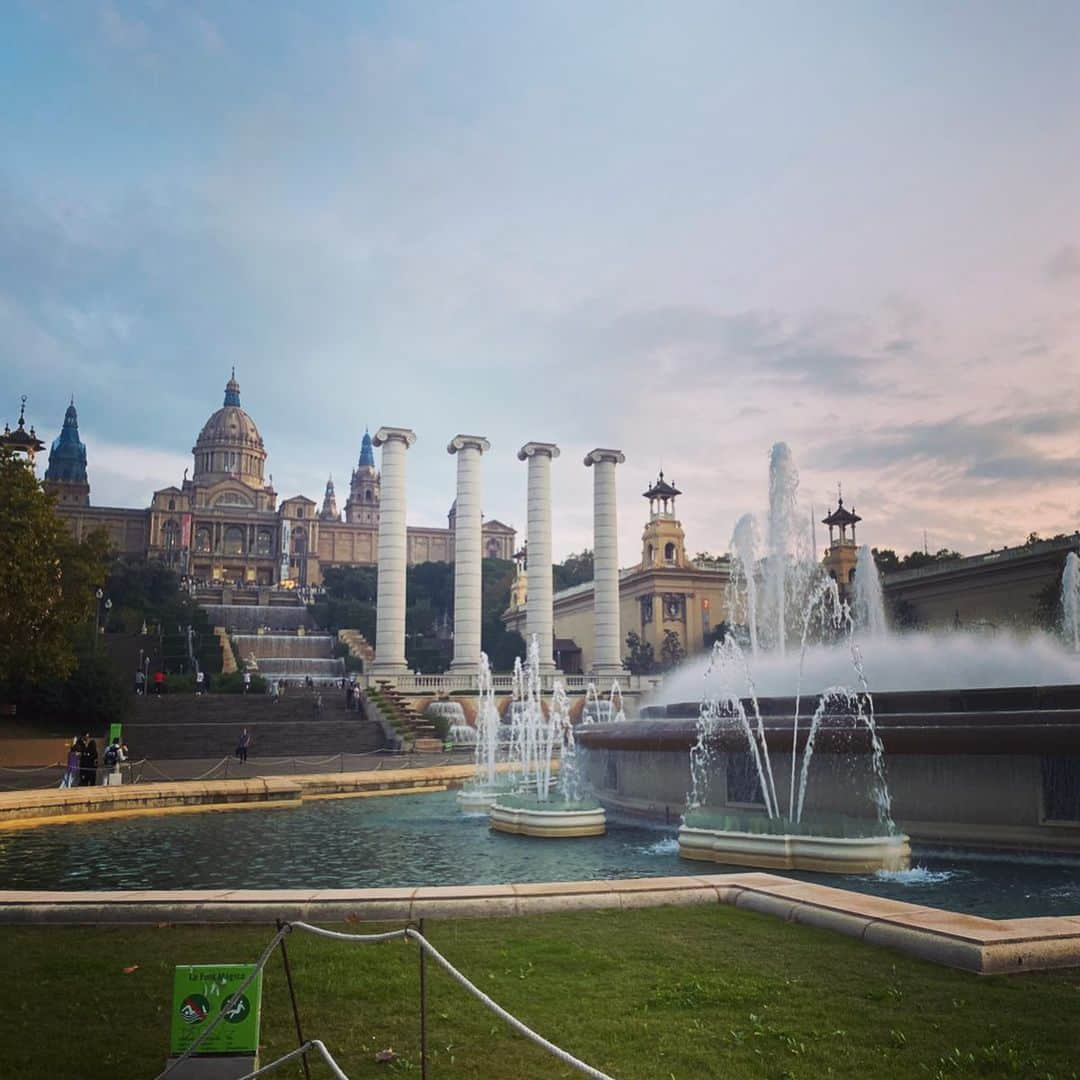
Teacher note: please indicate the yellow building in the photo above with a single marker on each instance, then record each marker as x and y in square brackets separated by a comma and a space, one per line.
[224, 523]
[665, 591]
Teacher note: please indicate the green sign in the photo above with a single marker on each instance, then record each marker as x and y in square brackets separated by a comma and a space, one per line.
[200, 991]
[115, 732]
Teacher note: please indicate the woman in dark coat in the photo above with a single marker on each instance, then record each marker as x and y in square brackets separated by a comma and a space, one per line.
[88, 761]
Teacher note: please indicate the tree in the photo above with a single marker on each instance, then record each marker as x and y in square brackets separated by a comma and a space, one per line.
[640, 659]
[573, 570]
[672, 652]
[49, 579]
[886, 560]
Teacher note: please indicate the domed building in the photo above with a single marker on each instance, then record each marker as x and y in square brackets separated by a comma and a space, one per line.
[224, 525]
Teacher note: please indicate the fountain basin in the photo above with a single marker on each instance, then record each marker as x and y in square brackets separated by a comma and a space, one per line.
[783, 851]
[476, 800]
[549, 819]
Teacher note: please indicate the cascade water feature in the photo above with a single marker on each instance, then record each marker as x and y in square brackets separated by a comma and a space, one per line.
[1070, 600]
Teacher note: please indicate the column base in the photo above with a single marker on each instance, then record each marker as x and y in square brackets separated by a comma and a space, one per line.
[609, 671]
[464, 667]
[388, 670]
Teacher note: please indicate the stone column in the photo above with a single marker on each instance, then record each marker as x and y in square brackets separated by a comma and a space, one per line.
[607, 639]
[539, 615]
[467, 552]
[393, 556]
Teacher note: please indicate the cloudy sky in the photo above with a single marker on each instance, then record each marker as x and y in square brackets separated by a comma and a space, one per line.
[686, 230]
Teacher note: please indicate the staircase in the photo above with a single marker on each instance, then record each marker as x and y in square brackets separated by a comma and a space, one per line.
[412, 726]
[186, 726]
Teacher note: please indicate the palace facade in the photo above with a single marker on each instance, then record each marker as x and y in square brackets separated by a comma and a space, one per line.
[225, 524]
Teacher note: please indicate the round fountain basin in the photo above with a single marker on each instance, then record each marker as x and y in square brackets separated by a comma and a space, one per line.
[829, 854]
[551, 822]
[476, 800]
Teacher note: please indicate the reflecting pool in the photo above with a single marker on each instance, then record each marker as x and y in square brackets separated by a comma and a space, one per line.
[415, 840]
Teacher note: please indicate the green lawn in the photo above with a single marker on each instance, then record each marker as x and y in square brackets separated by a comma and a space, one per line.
[666, 992]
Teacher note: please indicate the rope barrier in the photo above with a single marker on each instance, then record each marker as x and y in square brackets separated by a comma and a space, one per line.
[408, 933]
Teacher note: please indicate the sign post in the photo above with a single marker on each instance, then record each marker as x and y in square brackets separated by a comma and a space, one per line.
[200, 993]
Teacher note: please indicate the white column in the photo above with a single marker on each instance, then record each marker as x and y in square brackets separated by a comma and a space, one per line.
[467, 552]
[393, 556]
[539, 614]
[607, 640]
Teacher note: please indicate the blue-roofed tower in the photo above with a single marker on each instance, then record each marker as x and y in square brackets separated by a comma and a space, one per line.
[362, 507]
[66, 475]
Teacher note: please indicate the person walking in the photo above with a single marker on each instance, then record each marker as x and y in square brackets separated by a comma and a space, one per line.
[88, 761]
[159, 682]
[247, 681]
[199, 682]
[242, 746]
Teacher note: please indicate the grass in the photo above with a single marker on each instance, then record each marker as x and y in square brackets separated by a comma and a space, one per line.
[656, 993]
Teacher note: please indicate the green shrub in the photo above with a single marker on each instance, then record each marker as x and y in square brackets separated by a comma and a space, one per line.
[233, 683]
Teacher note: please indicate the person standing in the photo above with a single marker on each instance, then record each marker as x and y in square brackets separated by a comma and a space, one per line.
[88, 761]
[159, 682]
[199, 681]
[71, 776]
[247, 681]
[242, 745]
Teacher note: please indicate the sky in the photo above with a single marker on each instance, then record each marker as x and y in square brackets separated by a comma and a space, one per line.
[684, 230]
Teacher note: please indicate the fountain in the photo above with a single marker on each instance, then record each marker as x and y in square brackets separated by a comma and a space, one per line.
[778, 835]
[533, 808]
[1070, 601]
[982, 731]
[478, 796]
[451, 718]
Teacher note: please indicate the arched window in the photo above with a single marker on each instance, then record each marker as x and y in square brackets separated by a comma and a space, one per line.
[369, 495]
[202, 541]
[170, 535]
[263, 542]
[669, 552]
[649, 554]
[299, 542]
[234, 540]
[172, 504]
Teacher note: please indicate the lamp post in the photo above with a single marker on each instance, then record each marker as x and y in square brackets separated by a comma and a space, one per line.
[97, 613]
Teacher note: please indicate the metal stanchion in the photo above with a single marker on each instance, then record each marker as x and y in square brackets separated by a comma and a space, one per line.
[423, 1009]
[292, 998]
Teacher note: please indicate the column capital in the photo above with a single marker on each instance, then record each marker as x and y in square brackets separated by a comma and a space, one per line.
[594, 457]
[386, 434]
[468, 442]
[538, 449]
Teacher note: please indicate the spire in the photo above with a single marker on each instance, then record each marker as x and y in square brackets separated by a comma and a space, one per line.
[367, 452]
[67, 457]
[329, 510]
[232, 390]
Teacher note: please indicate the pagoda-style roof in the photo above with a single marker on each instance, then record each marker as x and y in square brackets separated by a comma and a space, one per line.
[20, 440]
[841, 515]
[661, 489]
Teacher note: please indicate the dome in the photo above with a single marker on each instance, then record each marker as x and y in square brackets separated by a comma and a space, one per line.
[230, 444]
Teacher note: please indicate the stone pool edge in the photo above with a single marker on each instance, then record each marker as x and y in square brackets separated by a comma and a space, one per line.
[967, 942]
[32, 807]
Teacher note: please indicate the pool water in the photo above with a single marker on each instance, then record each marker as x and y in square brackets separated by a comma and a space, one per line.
[414, 840]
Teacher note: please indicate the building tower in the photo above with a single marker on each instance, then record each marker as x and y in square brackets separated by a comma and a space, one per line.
[329, 511]
[365, 488]
[66, 475]
[22, 443]
[663, 542]
[842, 553]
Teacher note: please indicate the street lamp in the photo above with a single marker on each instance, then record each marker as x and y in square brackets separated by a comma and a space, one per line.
[97, 611]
